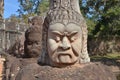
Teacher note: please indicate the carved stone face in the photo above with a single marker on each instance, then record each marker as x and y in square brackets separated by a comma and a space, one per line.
[32, 45]
[64, 43]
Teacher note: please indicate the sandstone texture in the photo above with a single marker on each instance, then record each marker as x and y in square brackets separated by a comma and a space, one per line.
[1, 67]
[91, 71]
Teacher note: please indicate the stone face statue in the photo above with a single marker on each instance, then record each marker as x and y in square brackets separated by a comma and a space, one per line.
[33, 37]
[32, 44]
[32, 47]
[65, 33]
[64, 45]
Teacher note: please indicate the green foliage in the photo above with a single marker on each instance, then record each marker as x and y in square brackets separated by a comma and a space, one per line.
[32, 7]
[27, 6]
[91, 24]
[43, 7]
[105, 16]
[102, 16]
[115, 56]
[111, 19]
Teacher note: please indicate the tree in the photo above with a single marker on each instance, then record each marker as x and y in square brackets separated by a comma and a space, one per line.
[31, 8]
[42, 7]
[102, 16]
[105, 14]
[110, 19]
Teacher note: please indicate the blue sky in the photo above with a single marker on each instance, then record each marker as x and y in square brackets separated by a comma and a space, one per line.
[10, 7]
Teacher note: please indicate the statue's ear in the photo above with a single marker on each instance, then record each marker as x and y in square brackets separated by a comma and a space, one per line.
[85, 57]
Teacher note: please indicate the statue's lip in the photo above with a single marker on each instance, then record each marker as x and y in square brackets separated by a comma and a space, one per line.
[64, 54]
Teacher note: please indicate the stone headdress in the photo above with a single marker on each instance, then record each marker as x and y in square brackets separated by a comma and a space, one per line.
[32, 30]
[65, 12]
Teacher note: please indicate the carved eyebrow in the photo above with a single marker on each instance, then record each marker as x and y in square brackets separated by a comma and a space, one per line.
[57, 32]
[73, 33]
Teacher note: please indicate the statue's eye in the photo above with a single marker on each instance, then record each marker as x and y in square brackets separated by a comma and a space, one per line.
[30, 43]
[73, 36]
[37, 43]
[57, 38]
[57, 35]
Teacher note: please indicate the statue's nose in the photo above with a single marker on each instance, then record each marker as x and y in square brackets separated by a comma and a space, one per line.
[34, 45]
[65, 43]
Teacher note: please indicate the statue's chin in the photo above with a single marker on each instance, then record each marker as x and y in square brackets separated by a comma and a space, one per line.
[64, 59]
[34, 53]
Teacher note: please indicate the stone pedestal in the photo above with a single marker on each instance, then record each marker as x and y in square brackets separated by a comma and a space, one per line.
[91, 71]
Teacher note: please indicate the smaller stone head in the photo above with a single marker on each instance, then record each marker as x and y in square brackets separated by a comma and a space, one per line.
[32, 44]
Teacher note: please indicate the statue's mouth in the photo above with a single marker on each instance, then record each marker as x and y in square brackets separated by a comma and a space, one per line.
[64, 58]
[64, 54]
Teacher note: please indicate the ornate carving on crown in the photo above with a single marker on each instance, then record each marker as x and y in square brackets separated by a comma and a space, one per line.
[55, 4]
[65, 16]
[63, 11]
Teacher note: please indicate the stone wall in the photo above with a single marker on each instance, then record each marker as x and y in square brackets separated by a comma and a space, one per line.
[1, 8]
[9, 33]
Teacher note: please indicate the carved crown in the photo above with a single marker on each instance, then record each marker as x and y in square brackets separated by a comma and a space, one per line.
[65, 4]
[63, 11]
[32, 30]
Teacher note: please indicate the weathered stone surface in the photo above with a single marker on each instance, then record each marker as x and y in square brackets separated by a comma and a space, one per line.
[1, 67]
[91, 71]
[18, 64]
[33, 38]
[32, 47]
[64, 35]
[64, 44]
[1, 8]
[17, 49]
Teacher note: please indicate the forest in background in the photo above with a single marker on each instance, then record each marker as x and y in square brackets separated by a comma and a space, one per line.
[102, 18]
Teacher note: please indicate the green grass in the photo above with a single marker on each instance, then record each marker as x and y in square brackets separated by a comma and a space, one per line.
[108, 56]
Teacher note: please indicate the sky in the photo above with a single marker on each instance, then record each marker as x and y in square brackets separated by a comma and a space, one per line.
[10, 7]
